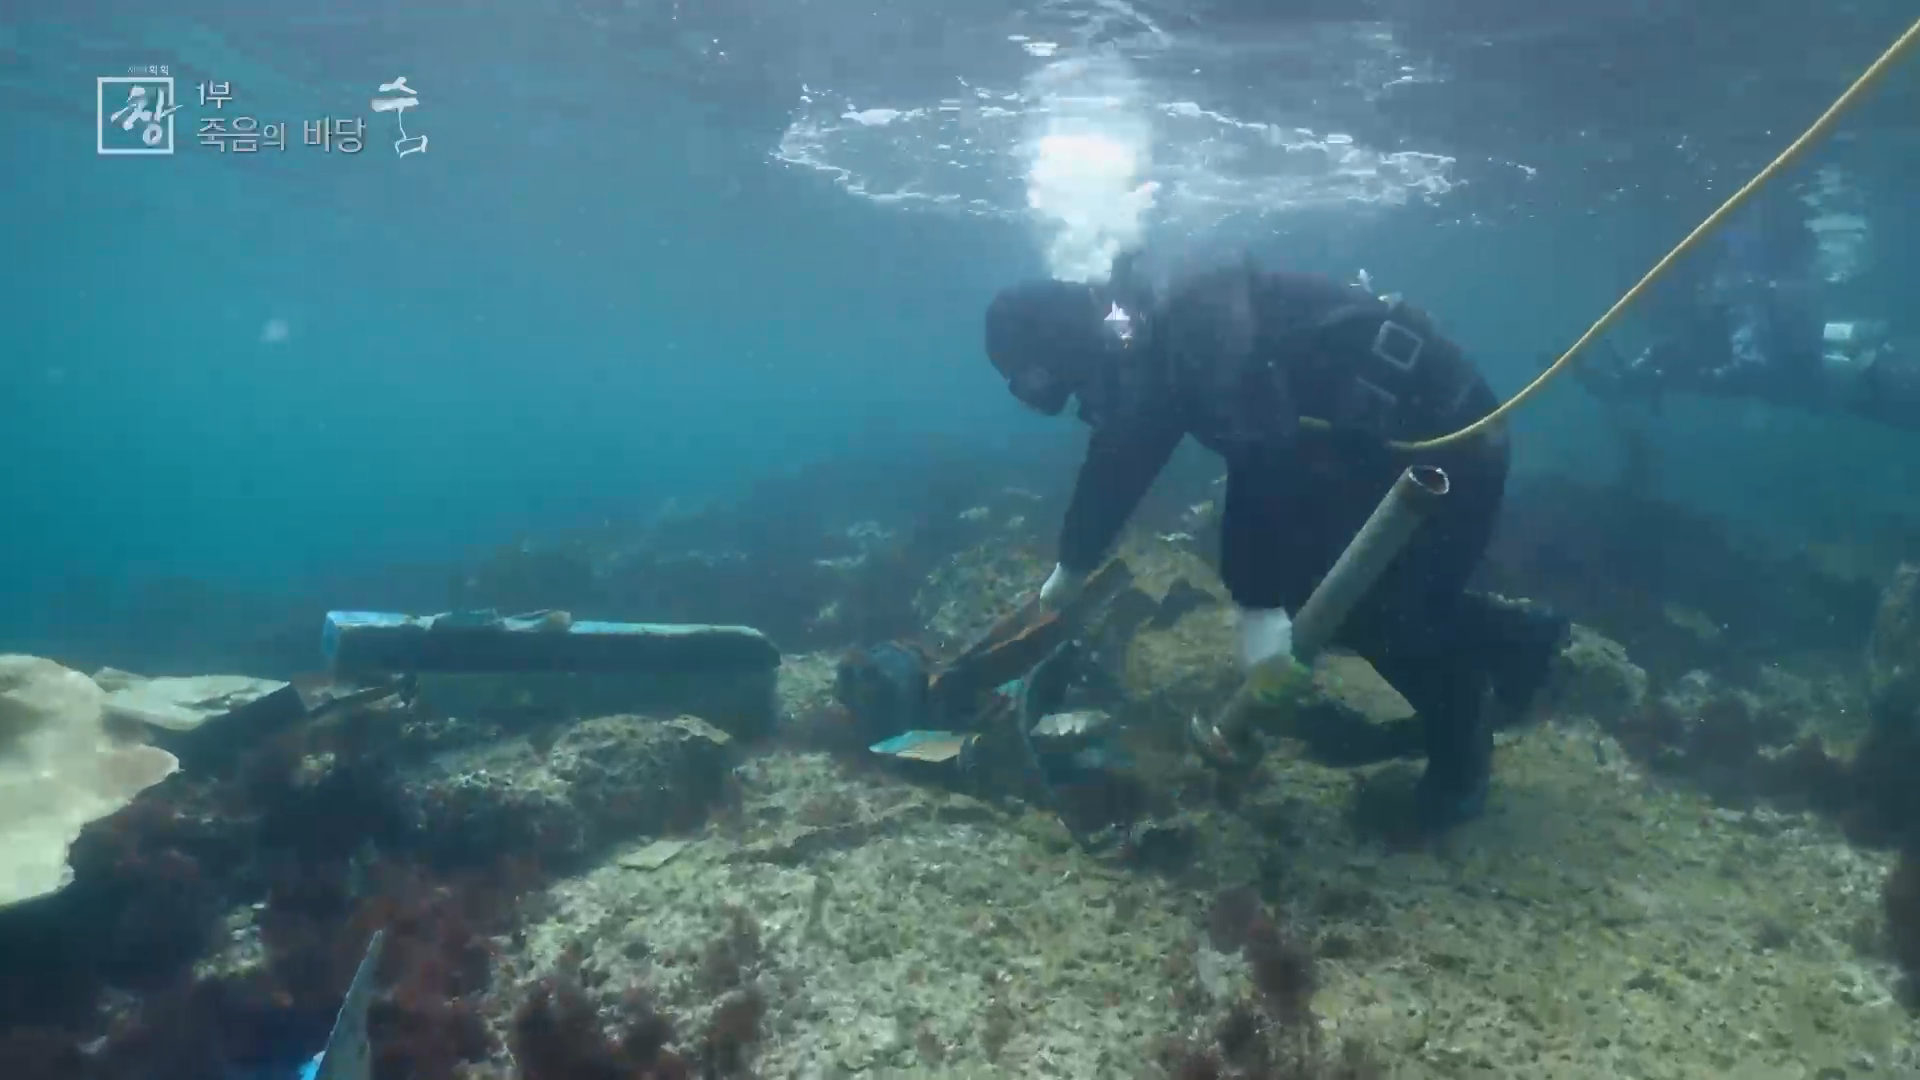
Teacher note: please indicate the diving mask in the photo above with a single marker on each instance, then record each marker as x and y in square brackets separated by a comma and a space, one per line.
[1039, 389]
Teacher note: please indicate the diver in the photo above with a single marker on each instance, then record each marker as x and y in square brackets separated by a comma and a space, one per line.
[1236, 357]
[1749, 319]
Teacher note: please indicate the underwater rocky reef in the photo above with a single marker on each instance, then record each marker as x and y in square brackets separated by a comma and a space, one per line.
[1702, 857]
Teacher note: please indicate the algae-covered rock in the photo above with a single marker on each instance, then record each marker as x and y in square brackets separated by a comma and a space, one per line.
[1710, 732]
[805, 683]
[1893, 653]
[1348, 683]
[1160, 567]
[1594, 677]
[971, 591]
[59, 769]
[1186, 668]
[602, 781]
[1352, 717]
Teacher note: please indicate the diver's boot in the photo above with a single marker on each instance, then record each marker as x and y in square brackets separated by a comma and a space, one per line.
[1521, 642]
[1453, 790]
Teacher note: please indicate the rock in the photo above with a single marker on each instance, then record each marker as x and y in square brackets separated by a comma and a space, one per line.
[1723, 739]
[805, 685]
[969, 593]
[183, 704]
[1893, 653]
[655, 855]
[1714, 730]
[603, 781]
[1187, 668]
[1594, 677]
[111, 679]
[1730, 718]
[1348, 683]
[1792, 693]
[791, 842]
[206, 721]
[1882, 770]
[1168, 571]
[60, 768]
[1164, 846]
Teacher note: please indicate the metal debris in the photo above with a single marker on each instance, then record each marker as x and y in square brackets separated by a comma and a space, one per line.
[1079, 723]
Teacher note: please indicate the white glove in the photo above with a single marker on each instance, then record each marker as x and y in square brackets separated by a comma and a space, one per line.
[1061, 586]
[1264, 634]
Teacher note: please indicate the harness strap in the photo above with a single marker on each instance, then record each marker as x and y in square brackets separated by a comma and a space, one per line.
[1391, 373]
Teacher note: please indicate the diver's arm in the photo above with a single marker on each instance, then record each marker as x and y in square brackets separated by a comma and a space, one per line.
[1124, 457]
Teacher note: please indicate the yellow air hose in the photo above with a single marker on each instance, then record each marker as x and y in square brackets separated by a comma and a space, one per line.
[1820, 129]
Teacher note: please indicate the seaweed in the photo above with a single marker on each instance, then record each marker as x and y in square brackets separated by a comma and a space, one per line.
[729, 958]
[557, 1034]
[732, 1031]
[1275, 1035]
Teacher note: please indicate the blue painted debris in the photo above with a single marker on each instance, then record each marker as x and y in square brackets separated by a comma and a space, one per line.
[486, 642]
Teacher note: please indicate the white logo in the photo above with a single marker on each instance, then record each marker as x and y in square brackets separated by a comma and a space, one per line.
[405, 97]
[145, 102]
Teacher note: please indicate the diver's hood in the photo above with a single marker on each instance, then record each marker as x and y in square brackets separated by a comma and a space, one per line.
[1047, 339]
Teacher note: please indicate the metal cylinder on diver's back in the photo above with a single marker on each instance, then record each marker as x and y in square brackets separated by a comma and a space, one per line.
[1393, 522]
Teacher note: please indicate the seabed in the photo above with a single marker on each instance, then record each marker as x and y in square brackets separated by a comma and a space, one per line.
[865, 920]
[1596, 923]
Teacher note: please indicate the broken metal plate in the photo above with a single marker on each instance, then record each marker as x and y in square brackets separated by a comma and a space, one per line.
[1020, 642]
[933, 746]
[1072, 725]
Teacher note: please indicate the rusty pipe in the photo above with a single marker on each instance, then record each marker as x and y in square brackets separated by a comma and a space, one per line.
[1402, 510]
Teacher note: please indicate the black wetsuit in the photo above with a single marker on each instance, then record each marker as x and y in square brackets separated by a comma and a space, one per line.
[1234, 358]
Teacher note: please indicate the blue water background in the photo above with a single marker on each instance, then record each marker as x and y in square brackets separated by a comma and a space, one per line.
[593, 294]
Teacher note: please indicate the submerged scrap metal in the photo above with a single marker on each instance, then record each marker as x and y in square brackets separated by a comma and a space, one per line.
[1075, 726]
[928, 712]
[474, 663]
[1020, 643]
[1013, 679]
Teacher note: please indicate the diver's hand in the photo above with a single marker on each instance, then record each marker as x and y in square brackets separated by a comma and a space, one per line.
[1061, 586]
[1264, 634]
